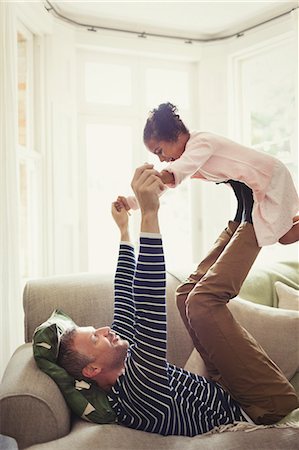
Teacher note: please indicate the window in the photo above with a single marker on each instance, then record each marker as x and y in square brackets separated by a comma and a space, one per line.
[116, 93]
[108, 84]
[109, 165]
[268, 102]
[29, 159]
[265, 94]
[165, 84]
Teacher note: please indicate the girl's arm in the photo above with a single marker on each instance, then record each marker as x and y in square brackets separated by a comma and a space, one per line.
[197, 152]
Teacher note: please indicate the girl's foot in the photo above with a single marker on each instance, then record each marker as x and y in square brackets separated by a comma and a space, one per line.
[237, 188]
[292, 235]
[248, 203]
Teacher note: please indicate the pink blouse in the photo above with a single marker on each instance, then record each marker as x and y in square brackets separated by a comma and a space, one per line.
[215, 158]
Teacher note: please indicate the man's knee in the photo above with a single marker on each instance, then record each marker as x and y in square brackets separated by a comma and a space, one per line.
[196, 307]
[182, 292]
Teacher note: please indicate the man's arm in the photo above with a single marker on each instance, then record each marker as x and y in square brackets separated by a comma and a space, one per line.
[124, 306]
[150, 278]
[147, 186]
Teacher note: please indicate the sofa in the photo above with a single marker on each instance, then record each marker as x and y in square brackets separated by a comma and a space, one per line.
[33, 410]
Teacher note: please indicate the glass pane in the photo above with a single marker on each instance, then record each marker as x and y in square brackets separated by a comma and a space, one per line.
[24, 221]
[108, 83]
[167, 86]
[29, 230]
[22, 89]
[268, 82]
[109, 173]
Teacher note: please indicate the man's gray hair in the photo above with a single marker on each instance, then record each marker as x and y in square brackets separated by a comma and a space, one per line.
[68, 358]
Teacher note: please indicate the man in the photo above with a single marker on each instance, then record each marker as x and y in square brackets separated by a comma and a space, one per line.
[128, 360]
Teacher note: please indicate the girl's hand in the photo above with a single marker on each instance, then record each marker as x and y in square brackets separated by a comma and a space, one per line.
[167, 177]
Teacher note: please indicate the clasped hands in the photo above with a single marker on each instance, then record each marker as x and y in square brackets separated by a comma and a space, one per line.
[147, 186]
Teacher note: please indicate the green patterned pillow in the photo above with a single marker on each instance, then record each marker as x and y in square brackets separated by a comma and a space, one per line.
[83, 397]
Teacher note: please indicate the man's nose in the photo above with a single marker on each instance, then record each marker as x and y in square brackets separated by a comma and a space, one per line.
[162, 158]
[103, 331]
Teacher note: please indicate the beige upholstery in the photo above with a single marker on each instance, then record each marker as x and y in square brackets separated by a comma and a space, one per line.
[34, 412]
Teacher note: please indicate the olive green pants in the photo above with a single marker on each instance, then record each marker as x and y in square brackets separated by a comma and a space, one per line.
[232, 356]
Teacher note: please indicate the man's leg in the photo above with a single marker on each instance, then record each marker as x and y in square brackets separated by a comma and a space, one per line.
[244, 368]
[186, 287]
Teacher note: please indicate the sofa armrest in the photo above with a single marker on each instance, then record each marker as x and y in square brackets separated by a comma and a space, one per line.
[32, 408]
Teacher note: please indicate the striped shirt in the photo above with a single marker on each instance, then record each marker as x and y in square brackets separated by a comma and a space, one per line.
[153, 395]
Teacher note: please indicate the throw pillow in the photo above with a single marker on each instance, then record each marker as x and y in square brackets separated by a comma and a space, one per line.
[83, 397]
[276, 330]
[288, 297]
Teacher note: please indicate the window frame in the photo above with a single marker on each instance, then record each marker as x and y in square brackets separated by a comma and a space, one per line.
[30, 155]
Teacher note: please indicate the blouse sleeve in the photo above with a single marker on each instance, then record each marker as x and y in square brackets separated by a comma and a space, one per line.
[198, 150]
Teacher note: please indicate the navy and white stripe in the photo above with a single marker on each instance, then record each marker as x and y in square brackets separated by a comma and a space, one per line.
[154, 395]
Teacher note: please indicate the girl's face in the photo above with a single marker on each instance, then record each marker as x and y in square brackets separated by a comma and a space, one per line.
[167, 150]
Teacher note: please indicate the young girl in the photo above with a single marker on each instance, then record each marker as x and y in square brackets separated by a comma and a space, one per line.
[215, 158]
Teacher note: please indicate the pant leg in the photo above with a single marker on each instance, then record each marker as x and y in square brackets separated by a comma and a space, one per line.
[184, 289]
[245, 369]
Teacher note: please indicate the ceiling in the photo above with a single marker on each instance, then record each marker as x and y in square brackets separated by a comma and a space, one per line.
[194, 19]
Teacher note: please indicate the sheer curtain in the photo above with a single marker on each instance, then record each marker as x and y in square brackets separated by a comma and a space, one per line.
[11, 330]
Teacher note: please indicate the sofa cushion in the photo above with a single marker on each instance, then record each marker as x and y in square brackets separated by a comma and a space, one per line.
[276, 330]
[84, 398]
[288, 297]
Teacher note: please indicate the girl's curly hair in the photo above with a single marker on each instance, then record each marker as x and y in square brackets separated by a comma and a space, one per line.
[164, 124]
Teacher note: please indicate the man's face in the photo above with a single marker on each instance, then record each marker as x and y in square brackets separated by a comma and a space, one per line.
[103, 345]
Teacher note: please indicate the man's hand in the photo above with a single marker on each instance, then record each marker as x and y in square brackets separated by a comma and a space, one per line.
[121, 218]
[147, 186]
[122, 200]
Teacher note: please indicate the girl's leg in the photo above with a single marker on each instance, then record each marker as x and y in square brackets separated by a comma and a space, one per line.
[293, 234]
[245, 369]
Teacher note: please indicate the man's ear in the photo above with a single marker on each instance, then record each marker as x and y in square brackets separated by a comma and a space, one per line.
[90, 371]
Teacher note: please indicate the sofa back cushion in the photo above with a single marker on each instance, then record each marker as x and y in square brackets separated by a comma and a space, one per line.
[88, 300]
